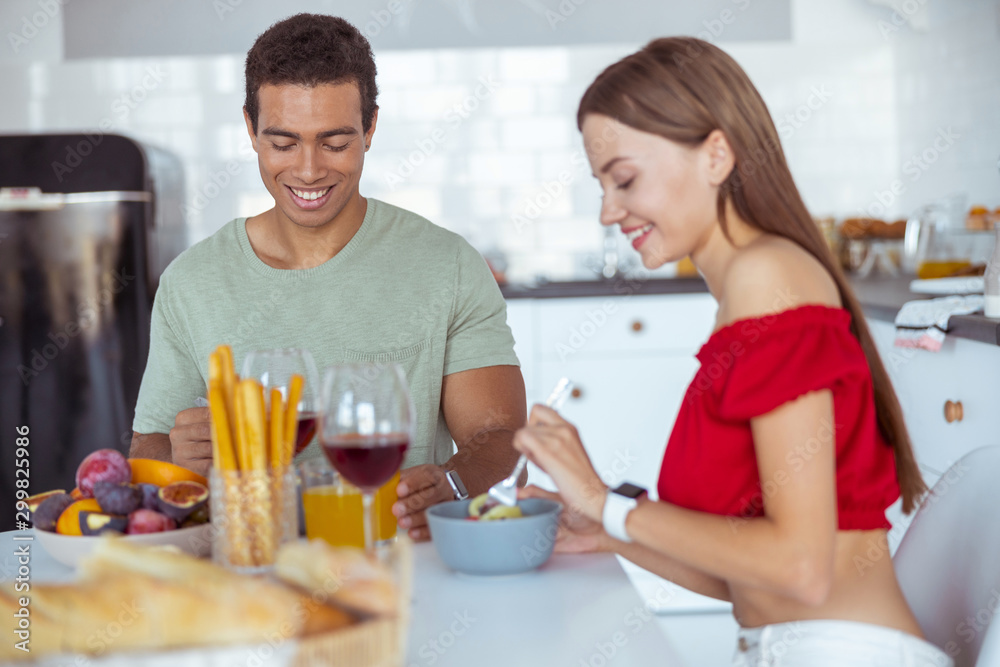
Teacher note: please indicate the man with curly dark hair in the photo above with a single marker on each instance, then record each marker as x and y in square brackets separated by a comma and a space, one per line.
[347, 277]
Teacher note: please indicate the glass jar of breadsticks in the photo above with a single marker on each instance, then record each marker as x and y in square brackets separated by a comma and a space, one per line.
[253, 484]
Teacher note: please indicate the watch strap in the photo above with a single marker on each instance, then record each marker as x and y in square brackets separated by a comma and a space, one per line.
[617, 506]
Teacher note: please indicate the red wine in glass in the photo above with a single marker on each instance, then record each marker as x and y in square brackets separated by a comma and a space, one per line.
[367, 461]
[306, 430]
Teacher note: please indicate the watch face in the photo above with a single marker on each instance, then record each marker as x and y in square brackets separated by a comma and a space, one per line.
[630, 490]
[456, 485]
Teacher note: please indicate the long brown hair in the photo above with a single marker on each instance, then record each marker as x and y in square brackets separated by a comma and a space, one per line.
[683, 88]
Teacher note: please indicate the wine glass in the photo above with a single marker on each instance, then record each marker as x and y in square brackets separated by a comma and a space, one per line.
[274, 369]
[366, 424]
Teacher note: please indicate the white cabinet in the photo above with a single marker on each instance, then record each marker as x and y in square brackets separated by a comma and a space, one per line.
[965, 372]
[631, 359]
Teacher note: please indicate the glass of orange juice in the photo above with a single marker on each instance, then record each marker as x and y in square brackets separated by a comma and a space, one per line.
[333, 510]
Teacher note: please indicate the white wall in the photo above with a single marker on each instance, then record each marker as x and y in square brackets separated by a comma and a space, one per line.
[853, 102]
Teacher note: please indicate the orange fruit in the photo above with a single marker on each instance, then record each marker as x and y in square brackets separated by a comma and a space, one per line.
[76, 493]
[161, 473]
[69, 520]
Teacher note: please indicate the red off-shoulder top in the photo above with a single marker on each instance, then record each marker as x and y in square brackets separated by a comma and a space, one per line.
[751, 367]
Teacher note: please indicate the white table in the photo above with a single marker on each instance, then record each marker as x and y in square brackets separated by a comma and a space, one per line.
[578, 611]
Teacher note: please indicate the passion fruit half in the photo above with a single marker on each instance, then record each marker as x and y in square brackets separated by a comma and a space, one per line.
[97, 523]
[180, 499]
[34, 501]
[46, 513]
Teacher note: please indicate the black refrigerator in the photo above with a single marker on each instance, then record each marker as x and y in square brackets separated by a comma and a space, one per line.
[87, 224]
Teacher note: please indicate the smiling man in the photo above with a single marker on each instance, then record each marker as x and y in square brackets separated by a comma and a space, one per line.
[347, 277]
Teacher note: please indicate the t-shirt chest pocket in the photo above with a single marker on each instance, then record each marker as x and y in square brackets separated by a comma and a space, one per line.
[409, 357]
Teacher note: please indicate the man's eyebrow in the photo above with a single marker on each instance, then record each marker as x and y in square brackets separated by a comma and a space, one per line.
[278, 132]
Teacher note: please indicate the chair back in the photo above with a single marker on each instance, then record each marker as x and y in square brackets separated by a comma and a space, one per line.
[948, 563]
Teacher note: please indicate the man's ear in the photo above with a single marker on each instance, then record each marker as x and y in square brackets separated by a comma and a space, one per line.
[253, 137]
[719, 155]
[371, 130]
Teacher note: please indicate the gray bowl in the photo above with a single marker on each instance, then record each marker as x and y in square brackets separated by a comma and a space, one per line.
[510, 546]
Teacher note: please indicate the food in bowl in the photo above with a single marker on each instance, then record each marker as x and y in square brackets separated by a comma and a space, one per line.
[494, 547]
[484, 508]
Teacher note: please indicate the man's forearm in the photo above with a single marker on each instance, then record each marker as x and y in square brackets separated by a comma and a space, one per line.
[151, 446]
[485, 460]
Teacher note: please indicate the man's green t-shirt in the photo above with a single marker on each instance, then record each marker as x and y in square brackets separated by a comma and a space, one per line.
[402, 290]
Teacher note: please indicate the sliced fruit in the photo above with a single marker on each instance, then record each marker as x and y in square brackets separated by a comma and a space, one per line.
[179, 499]
[76, 493]
[36, 500]
[69, 520]
[161, 473]
[46, 513]
[480, 504]
[97, 523]
[104, 465]
[141, 522]
[502, 512]
[149, 492]
[119, 499]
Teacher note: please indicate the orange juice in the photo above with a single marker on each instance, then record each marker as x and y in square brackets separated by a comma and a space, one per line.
[941, 269]
[333, 513]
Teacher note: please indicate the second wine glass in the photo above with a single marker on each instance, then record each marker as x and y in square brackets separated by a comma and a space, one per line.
[274, 369]
[365, 427]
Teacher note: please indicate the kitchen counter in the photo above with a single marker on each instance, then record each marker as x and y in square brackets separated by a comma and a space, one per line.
[880, 297]
[575, 610]
[596, 288]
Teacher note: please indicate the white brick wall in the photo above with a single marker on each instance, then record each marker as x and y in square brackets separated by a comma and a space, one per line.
[885, 98]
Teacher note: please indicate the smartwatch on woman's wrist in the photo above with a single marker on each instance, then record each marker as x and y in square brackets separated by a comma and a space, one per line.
[617, 505]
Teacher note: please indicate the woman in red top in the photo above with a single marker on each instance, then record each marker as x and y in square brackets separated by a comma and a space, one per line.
[790, 442]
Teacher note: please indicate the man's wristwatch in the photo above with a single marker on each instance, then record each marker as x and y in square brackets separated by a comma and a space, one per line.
[456, 484]
[617, 505]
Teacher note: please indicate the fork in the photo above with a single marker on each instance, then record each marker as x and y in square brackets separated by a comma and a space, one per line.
[505, 491]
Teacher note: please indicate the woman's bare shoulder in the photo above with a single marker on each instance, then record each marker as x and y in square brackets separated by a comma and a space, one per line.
[773, 274]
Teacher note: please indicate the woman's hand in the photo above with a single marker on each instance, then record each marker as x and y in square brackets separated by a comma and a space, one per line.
[553, 444]
[577, 534]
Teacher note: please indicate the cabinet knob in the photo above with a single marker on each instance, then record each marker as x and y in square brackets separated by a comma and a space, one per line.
[576, 393]
[637, 326]
[953, 411]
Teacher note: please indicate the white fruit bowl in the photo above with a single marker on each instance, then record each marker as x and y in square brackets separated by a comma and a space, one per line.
[70, 549]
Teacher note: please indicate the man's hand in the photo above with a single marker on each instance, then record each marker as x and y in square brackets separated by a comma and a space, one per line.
[191, 440]
[419, 488]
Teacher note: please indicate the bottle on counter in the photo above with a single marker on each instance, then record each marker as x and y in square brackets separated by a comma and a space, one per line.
[991, 279]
